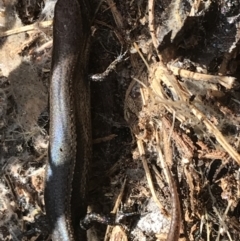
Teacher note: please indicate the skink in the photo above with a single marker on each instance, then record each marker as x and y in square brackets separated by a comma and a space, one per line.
[70, 125]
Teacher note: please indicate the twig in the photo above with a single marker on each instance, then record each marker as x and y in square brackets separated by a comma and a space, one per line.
[32, 27]
[218, 135]
[149, 178]
[151, 24]
[222, 223]
[226, 81]
[110, 68]
[114, 211]
[139, 52]
[46, 45]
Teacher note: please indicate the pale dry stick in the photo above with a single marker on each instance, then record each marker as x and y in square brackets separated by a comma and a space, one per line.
[178, 91]
[218, 135]
[227, 209]
[157, 173]
[33, 37]
[208, 228]
[139, 52]
[143, 97]
[151, 24]
[46, 45]
[149, 178]
[32, 27]
[222, 220]
[176, 108]
[203, 220]
[115, 209]
[142, 93]
[195, 8]
[226, 81]
[140, 82]
[170, 105]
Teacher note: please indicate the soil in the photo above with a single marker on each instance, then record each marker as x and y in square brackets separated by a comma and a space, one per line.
[177, 72]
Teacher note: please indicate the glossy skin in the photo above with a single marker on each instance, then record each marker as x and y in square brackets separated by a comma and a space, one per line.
[70, 125]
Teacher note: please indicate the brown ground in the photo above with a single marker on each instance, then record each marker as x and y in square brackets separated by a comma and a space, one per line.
[180, 75]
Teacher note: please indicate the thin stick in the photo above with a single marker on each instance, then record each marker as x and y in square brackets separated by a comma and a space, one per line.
[139, 52]
[149, 178]
[218, 135]
[32, 27]
[115, 208]
[226, 81]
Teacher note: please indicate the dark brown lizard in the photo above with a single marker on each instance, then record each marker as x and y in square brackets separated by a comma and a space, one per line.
[70, 125]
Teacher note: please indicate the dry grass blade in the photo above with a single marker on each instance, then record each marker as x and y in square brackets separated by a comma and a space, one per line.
[140, 54]
[115, 209]
[149, 178]
[226, 81]
[218, 135]
[151, 24]
[32, 27]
